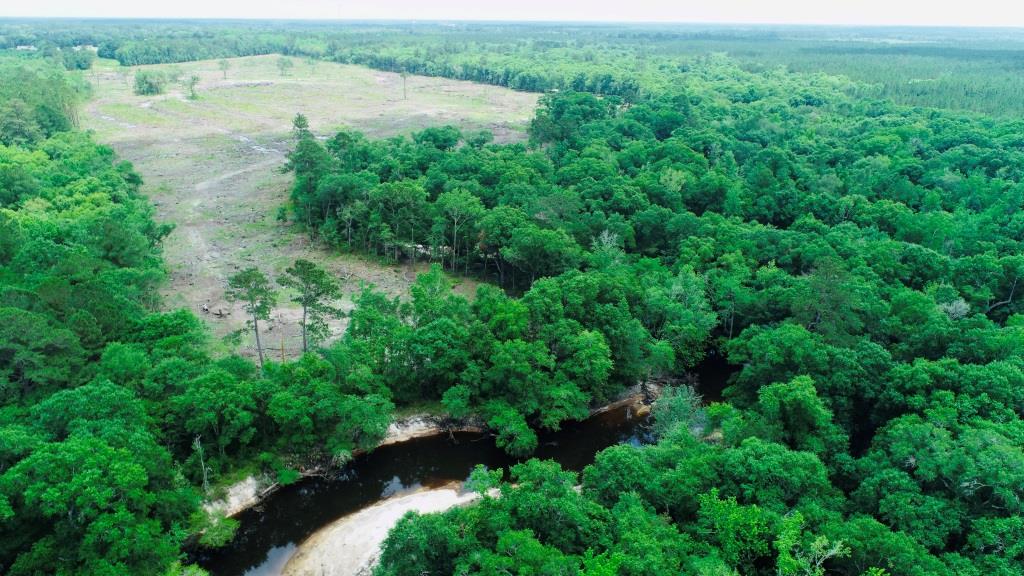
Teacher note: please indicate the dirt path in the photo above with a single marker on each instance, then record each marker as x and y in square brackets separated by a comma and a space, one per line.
[211, 166]
[350, 546]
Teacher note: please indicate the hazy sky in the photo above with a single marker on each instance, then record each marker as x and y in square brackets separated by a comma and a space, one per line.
[913, 12]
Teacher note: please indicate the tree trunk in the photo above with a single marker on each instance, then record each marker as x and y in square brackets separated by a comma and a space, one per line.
[412, 247]
[305, 347]
[259, 346]
[455, 243]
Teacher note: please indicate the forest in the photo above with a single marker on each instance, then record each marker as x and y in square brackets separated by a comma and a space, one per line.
[860, 262]
[956, 68]
[114, 416]
[854, 247]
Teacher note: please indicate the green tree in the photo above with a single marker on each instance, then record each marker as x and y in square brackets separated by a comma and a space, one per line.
[17, 127]
[743, 534]
[284, 65]
[85, 506]
[150, 82]
[190, 84]
[542, 252]
[220, 406]
[252, 288]
[315, 290]
[459, 209]
[34, 355]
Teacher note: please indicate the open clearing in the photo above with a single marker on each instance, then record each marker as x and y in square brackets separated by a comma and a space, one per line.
[211, 165]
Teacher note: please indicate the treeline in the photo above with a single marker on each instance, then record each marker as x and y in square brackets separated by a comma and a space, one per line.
[205, 46]
[947, 68]
[159, 42]
[114, 419]
[863, 261]
[520, 67]
[983, 79]
[37, 101]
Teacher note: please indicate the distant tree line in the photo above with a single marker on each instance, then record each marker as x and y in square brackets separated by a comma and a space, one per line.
[951, 68]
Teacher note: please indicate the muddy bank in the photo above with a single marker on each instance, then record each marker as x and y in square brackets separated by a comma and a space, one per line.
[637, 398]
[240, 496]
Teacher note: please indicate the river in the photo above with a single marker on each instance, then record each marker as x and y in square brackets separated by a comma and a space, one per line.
[270, 532]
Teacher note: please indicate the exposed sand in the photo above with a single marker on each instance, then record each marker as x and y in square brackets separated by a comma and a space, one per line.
[422, 426]
[350, 546]
[250, 492]
[240, 496]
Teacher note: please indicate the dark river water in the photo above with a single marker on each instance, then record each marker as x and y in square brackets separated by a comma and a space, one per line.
[270, 532]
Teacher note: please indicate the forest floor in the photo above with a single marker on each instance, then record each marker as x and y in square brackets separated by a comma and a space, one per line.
[211, 166]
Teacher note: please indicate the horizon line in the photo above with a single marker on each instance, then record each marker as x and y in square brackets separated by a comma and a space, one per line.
[521, 21]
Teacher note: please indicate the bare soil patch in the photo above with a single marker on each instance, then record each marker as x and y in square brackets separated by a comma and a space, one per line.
[211, 166]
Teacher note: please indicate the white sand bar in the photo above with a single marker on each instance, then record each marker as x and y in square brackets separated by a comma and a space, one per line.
[351, 545]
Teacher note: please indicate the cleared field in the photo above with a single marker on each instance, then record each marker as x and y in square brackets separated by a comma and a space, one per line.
[211, 165]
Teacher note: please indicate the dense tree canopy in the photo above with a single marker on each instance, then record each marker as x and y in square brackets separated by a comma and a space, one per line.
[858, 262]
[113, 415]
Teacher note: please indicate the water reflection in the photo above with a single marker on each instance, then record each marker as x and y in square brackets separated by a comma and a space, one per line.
[274, 561]
[270, 532]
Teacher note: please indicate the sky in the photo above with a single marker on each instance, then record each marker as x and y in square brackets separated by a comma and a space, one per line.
[839, 12]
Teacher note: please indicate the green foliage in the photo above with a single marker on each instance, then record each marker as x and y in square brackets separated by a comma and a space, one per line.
[315, 289]
[482, 480]
[284, 65]
[678, 408]
[78, 58]
[252, 288]
[520, 363]
[150, 82]
[114, 418]
[858, 261]
[36, 102]
[741, 533]
[190, 84]
[216, 530]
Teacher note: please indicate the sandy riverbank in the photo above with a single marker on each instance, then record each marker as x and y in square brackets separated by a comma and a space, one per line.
[423, 426]
[251, 491]
[350, 545]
